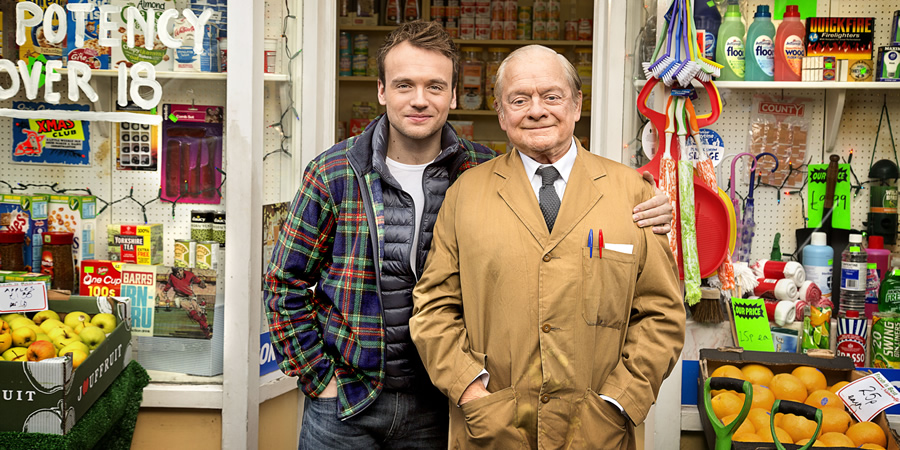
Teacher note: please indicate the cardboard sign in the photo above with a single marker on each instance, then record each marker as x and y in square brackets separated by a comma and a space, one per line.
[868, 396]
[751, 324]
[840, 215]
[48, 141]
[23, 297]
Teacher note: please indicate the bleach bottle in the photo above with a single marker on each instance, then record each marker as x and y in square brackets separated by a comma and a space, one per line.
[760, 47]
[707, 18]
[818, 262]
[789, 48]
[730, 48]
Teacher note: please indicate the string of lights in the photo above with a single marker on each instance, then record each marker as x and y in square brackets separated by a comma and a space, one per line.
[290, 111]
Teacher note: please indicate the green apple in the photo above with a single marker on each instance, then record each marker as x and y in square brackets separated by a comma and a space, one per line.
[4, 327]
[40, 350]
[44, 315]
[81, 346]
[92, 336]
[23, 337]
[20, 322]
[82, 326]
[35, 328]
[15, 354]
[66, 331]
[105, 321]
[75, 317]
[5, 342]
[49, 324]
[61, 342]
[78, 357]
[43, 337]
[10, 317]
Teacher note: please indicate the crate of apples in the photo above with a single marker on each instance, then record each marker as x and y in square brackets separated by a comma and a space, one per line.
[49, 334]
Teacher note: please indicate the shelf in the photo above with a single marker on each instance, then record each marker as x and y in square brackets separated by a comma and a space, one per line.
[827, 85]
[386, 28]
[490, 112]
[203, 396]
[356, 78]
[522, 42]
[167, 75]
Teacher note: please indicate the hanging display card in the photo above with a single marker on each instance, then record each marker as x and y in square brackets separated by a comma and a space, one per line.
[192, 153]
[840, 215]
[51, 141]
[752, 324]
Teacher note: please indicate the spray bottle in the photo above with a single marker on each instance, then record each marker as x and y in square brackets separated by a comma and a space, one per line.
[730, 48]
[760, 47]
[707, 18]
[789, 48]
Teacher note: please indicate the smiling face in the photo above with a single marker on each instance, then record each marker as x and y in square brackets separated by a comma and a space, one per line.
[417, 92]
[537, 108]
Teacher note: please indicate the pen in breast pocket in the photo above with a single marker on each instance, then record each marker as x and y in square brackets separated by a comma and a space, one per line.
[600, 247]
[591, 243]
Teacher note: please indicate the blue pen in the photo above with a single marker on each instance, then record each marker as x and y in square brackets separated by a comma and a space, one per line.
[591, 242]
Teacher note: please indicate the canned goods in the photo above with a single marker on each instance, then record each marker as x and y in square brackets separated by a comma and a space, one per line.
[571, 30]
[206, 255]
[524, 14]
[345, 43]
[344, 67]
[185, 250]
[585, 29]
[358, 65]
[201, 225]
[361, 44]
[219, 227]
[539, 30]
[851, 338]
[509, 30]
[523, 31]
[886, 340]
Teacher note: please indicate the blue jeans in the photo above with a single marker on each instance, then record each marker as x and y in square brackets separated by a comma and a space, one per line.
[396, 420]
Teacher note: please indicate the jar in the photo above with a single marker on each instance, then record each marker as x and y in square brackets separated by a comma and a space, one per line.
[471, 79]
[496, 55]
[270, 53]
[12, 251]
[57, 260]
[583, 67]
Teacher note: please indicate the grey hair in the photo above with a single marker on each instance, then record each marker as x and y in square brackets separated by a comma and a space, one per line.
[571, 74]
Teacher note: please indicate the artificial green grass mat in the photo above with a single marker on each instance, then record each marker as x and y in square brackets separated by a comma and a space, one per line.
[108, 424]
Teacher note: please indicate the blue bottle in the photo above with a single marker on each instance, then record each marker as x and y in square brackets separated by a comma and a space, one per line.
[707, 18]
[760, 47]
[818, 261]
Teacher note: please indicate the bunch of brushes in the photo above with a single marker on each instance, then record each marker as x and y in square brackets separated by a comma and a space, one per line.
[683, 61]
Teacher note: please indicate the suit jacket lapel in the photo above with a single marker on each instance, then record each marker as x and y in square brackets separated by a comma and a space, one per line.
[582, 193]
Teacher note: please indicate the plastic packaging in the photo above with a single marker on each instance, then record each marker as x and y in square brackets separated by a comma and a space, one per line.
[854, 269]
[818, 263]
[708, 19]
[760, 47]
[889, 293]
[12, 251]
[879, 256]
[810, 293]
[730, 47]
[779, 289]
[780, 269]
[789, 46]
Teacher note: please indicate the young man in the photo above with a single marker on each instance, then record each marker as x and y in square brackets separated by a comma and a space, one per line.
[339, 286]
[545, 337]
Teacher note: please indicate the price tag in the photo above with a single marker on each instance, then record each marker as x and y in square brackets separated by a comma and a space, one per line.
[840, 216]
[868, 396]
[23, 297]
[751, 324]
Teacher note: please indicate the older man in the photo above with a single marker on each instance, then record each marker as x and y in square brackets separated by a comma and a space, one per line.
[544, 312]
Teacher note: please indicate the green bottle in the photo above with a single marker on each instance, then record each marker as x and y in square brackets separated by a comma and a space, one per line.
[730, 48]
[889, 295]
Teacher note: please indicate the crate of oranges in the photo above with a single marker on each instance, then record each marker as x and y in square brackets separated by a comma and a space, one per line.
[788, 376]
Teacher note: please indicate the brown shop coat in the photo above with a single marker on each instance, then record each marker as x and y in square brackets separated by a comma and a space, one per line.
[553, 327]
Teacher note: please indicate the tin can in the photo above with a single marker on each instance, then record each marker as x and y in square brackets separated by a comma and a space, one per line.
[524, 14]
[851, 338]
[185, 250]
[344, 43]
[539, 30]
[571, 30]
[218, 228]
[344, 67]
[585, 29]
[358, 65]
[885, 340]
[201, 225]
[497, 30]
[509, 30]
[207, 255]
[361, 44]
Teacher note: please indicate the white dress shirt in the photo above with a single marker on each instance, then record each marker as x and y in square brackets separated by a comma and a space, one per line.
[563, 166]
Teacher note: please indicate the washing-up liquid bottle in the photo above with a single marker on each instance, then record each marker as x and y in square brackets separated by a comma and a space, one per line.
[789, 48]
[760, 47]
[889, 294]
[708, 19]
[730, 48]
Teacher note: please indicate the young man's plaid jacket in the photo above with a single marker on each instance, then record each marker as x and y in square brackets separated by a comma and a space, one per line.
[326, 243]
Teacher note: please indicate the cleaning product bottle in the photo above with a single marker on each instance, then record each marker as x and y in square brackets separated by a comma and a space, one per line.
[730, 48]
[889, 295]
[854, 270]
[760, 47]
[878, 255]
[789, 48]
[708, 19]
[818, 260]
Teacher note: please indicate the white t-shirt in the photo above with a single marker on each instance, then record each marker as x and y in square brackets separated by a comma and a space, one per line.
[410, 179]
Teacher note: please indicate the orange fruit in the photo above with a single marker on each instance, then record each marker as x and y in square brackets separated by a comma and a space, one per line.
[746, 437]
[834, 419]
[783, 436]
[757, 374]
[726, 404]
[803, 442]
[788, 387]
[824, 399]
[872, 446]
[866, 433]
[760, 419]
[798, 427]
[727, 371]
[834, 439]
[838, 385]
[746, 426]
[762, 398]
[811, 377]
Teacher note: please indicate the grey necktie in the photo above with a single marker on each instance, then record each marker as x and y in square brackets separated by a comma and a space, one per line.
[547, 195]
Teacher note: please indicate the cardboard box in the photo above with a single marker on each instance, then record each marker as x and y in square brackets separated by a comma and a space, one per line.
[160, 56]
[75, 214]
[135, 244]
[888, 62]
[860, 70]
[49, 396]
[28, 214]
[36, 45]
[841, 37]
[100, 278]
[91, 52]
[185, 58]
[835, 369]
[353, 20]
[16, 277]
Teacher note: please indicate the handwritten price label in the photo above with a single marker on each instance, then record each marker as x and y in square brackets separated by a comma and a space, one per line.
[23, 297]
[868, 396]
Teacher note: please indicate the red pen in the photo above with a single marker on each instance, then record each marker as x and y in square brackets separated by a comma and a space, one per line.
[600, 239]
